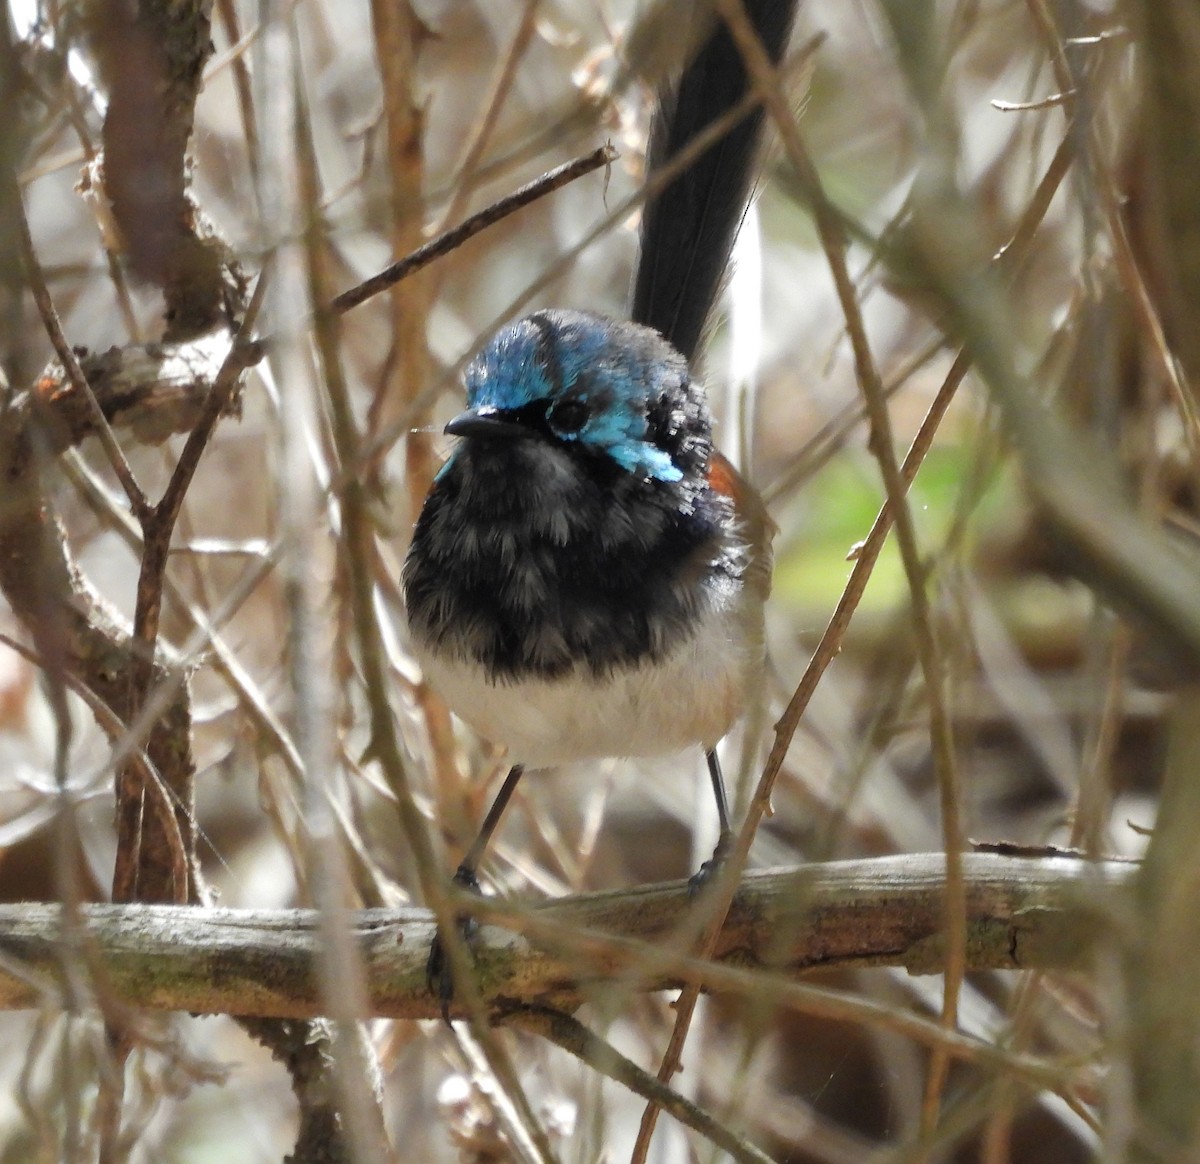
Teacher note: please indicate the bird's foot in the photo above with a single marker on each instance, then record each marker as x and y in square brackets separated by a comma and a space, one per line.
[711, 869]
[438, 973]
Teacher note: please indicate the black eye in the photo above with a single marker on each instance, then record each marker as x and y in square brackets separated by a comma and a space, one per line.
[568, 416]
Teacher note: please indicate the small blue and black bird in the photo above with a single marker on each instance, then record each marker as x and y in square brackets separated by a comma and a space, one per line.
[587, 576]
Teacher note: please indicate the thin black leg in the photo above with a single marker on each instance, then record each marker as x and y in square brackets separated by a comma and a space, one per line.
[712, 866]
[469, 867]
[718, 787]
[437, 969]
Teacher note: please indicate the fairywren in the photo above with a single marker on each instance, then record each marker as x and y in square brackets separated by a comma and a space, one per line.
[587, 575]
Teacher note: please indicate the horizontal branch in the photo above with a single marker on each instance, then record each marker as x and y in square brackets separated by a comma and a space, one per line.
[1023, 913]
[156, 390]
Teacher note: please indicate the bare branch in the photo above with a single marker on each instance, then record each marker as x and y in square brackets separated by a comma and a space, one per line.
[1022, 913]
[152, 57]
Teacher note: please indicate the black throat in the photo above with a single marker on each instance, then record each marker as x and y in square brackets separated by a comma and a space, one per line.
[532, 559]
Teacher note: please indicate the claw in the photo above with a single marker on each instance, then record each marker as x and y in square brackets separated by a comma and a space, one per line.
[439, 976]
[711, 869]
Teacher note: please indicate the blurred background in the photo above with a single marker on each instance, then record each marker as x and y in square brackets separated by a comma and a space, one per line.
[1058, 708]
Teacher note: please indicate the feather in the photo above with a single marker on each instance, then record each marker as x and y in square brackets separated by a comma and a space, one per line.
[689, 229]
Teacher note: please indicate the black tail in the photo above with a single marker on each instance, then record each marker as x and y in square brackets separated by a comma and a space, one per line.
[689, 229]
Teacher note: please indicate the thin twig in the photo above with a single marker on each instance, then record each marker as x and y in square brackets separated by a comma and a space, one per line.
[70, 363]
[467, 169]
[1009, 258]
[455, 237]
[157, 524]
[830, 230]
[243, 353]
[1090, 804]
[358, 534]
[567, 1032]
[227, 11]
[1126, 262]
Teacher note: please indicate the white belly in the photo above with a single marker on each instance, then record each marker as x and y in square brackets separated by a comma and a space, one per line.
[688, 699]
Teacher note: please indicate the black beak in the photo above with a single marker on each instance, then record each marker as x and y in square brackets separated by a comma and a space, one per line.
[485, 422]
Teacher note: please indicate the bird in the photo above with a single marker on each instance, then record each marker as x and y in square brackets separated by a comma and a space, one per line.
[587, 575]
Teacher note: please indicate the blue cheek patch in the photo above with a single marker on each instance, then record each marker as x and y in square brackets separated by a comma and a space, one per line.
[619, 432]
[618, 426]
[647, 459]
